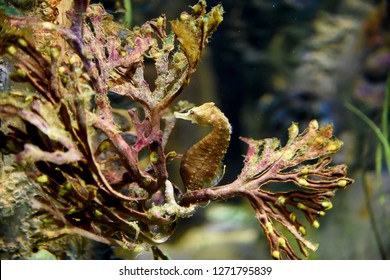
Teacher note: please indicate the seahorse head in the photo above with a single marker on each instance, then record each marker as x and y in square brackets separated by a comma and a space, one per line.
[201, 115]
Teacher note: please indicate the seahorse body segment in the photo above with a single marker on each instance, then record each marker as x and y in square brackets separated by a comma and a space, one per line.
[201, 165]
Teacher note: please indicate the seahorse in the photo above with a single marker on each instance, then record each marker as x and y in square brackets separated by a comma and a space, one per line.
[201, 165]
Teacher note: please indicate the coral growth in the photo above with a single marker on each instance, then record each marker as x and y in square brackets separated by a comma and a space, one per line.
[110, 183]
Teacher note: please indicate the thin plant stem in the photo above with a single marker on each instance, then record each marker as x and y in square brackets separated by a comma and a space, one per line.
[374, 224]
[128, 13]
[385, 111]
[382, 138]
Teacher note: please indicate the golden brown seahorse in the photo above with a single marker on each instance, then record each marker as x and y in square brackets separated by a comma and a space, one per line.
[201, 165]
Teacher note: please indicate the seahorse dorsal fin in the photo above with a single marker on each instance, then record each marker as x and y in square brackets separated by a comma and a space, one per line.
[218, 176]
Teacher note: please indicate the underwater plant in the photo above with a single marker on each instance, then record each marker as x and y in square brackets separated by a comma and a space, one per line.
[109, 182]
[381, 157]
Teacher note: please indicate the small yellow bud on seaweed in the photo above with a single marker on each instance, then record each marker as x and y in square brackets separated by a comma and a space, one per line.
[61, 70]
[104, 146]
[12, 50]
[302, 230]
[269, 227]
[43, 179]
[22, 42]
[68, 186]
[153, 157]
[315, 224]
[62, 191]
[321, 213]
[333, 147]
[305, 171]
[88, 55]
[72, 211]
[303, 182]
[184, 16]
[293, 217]
[160, 21]
[73, 59]
[293, 131]
[342, 183]
[97, 213]
[301, 206]
[29, 98]
[276, 255]
[47, 221]
[314, 125]
[327, 205]
[281, 200]
[282, 242]
[20, 72]
[198, 8]
[55, 52]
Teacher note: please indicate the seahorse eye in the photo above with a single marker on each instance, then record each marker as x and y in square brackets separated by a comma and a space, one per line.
[191, 112]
